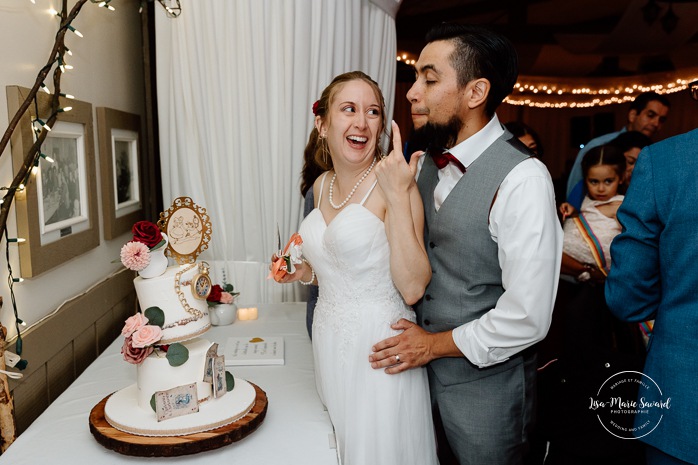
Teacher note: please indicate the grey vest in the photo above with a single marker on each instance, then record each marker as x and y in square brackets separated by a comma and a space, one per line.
[466, 277]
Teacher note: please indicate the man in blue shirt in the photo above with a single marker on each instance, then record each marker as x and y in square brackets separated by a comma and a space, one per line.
[653, 276]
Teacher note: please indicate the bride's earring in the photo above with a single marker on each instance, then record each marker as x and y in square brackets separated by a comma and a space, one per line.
[324, 147]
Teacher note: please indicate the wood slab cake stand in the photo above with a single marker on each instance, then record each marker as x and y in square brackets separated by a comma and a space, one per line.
[171, 446]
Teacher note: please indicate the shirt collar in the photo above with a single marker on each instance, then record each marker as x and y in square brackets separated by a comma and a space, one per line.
[471, 148]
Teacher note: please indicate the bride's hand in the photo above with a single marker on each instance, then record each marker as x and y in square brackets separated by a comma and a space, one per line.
[394, 175]
[301, 270]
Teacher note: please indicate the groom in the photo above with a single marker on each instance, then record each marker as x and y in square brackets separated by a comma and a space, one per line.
[494, 244]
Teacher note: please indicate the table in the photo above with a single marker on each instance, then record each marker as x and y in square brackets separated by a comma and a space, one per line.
[296, 430]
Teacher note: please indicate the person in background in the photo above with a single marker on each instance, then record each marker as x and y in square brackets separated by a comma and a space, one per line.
[494, 244]
[527, 136]
[647, 114]
[630, 142]
[311, 171]
[654, 275]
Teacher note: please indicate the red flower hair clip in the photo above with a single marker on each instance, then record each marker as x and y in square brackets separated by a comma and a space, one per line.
[315, 106]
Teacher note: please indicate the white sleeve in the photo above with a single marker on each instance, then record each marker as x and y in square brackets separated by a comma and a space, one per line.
[524, 224]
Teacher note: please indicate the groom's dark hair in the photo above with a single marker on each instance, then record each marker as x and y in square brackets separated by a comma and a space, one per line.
[480, 53]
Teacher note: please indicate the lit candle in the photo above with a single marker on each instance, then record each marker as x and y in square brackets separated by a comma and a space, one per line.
[247, 313]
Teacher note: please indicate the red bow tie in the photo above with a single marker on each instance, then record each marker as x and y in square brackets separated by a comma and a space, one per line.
[443, 159]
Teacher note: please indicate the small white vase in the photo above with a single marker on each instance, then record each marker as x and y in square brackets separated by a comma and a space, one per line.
[223, 314]
[158, 262]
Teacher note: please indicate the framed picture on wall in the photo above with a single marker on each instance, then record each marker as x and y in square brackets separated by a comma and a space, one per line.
[62, 183]
[57, 210]
[120, 145]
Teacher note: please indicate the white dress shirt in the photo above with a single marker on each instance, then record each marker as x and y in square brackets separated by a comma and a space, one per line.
[524, 224]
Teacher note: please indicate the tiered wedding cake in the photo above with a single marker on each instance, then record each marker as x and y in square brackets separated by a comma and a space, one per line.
[182, 386]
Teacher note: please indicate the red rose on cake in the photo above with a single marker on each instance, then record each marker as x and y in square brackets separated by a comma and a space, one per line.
[148, 233]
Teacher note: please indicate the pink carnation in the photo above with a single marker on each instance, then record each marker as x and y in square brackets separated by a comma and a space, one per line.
[146, 335]
[133, 324]
[226, 298]
[135, 256]
[134, 355]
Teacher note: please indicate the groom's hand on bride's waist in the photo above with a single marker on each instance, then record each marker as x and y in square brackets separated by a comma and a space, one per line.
[412, 348]
[409, 349]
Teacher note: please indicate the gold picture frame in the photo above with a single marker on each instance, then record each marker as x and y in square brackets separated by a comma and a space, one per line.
[188, 229]
[57, 211]
[120, 149]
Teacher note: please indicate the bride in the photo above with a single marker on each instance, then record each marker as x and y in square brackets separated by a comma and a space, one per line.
[368, 257]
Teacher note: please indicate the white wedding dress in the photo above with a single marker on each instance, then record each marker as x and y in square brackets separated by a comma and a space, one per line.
[379, 419]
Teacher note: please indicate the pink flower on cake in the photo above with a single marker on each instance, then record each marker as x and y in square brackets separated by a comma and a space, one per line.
[134, 355]
[146, 335]
[135, 256]
[133, 324]
[146, 232]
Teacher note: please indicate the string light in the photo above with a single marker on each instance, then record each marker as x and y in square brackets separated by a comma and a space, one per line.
[42, 124]
[46, 157]
[45, 89]
[75, 31]
[105, 4]
[563, 94]
[67, 50]
[18, 240]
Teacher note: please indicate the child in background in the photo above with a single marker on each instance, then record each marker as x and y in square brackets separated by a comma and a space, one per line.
[603, 169]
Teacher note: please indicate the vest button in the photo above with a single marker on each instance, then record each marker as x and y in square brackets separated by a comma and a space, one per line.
[427, 297]
[432, 245]
[427, 322]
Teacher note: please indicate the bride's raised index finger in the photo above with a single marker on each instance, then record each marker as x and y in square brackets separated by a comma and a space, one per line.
[397, 138]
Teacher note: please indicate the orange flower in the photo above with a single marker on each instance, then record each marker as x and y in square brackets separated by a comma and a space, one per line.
[291, 255]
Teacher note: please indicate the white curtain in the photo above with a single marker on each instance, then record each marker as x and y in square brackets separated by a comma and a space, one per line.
[236, 82]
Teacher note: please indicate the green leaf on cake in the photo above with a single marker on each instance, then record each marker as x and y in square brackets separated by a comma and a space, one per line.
[229, 381]
[177, 354]
[155, 316]
[152, 403]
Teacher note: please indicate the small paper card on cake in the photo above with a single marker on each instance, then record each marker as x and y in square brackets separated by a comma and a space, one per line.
[211, 353]
[175, 402]
[254, 351]
[219, 384]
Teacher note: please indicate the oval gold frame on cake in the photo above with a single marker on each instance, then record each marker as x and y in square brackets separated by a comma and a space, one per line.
[188, 228]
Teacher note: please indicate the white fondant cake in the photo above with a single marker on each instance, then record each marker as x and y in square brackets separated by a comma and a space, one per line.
[156, 373]
[160, 292]
[185, 318]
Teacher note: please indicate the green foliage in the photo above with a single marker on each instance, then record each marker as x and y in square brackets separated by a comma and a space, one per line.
[177, 354]
[155, 316]
[229, 381]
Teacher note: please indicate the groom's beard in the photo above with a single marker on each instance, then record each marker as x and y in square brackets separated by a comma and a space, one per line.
[436, 136]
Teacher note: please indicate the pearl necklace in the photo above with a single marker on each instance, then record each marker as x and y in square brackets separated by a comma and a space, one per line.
[334, 177]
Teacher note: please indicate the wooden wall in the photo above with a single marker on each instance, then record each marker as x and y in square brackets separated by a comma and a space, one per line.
[61, 347]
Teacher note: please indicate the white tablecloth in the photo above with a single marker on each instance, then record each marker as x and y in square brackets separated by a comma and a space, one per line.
[296, 430]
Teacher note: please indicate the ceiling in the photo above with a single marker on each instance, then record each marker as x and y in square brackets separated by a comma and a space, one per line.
[570, 38]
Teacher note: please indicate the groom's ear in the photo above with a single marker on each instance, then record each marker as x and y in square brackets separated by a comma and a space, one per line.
[476, 92]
